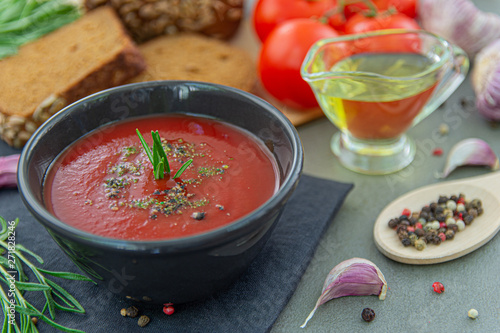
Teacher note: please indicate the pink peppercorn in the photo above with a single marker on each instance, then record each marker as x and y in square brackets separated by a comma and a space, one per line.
[410, 229]
[418, 225]
[406, 212]
[442, 224]
[438, 287]
[442, 236]
[437, 152]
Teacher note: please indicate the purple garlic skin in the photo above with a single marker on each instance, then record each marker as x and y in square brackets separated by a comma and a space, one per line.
[8, 171]
[485, 77]
[460, 22]
[472, 151]
[352, 277]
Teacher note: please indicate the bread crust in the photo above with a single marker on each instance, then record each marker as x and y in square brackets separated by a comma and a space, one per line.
[35, 84]
[190, 56]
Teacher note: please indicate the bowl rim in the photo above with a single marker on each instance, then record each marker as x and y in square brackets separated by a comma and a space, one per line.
[210, 238]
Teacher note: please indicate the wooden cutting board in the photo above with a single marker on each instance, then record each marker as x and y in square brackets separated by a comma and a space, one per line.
[246, 39]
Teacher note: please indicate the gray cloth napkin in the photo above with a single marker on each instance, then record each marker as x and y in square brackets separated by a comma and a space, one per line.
[252, 304]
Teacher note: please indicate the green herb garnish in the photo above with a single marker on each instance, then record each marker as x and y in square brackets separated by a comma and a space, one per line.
[12, 269]
[22, 21]
[158, 157]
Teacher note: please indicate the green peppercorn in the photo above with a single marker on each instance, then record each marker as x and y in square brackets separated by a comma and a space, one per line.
[449, 234]
[143, 321]
[420, 244]
[413, 238]
[472, 212]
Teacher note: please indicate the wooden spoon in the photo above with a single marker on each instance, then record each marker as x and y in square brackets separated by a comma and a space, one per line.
[479, 232]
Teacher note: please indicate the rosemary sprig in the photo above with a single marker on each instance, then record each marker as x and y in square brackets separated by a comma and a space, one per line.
[158, 157]
[56, 297]
[22, 21]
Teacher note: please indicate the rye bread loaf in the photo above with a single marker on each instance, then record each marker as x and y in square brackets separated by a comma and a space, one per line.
[86, 56]
[188, 56]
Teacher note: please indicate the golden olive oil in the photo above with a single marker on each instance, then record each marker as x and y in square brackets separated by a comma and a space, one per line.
[376, 95]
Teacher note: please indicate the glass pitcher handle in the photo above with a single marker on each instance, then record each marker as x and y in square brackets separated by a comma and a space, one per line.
[449, 83]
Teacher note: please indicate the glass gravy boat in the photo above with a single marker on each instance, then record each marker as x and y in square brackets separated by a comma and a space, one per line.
[377, 85]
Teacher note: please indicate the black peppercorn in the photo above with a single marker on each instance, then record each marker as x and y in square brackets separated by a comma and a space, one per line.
[442, 199]
[419, 232]
[393, 223]
[368, 314]
[424, 215]
[468, 219]
[406, 241]
[454, 198]
[433, 206]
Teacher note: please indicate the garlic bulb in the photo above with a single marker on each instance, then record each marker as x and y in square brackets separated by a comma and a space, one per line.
[486, 80]
[460, 22]
[353, 277]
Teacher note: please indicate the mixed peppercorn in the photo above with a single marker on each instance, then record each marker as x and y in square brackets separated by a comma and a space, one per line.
[436, 222]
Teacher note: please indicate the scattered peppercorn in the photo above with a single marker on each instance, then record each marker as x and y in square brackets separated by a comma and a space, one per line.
[473, 313]
[123, 312]
[437, 222]
[437, 152]
[444, 129]
[368, 314]
[438, 287]
[198, 215]
[143, 321]
[34, 320]
[132, 311]
[168, 310]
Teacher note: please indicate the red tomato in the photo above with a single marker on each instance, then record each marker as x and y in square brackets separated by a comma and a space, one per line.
[407, 7]
[403, 43]
[360, 23]
[281, 57]
[269, 13]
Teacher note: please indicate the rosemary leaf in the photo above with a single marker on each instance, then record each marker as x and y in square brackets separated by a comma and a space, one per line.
[67, 296]
[49, 321]
[145, 146]
[31, 286]
[25, 250]
[66, 275]
[160, 150]
[183, 168]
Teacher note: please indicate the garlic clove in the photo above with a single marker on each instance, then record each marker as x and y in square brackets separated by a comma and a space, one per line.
[352, 277]
[470, 152]
[8, 171]
[485, 78]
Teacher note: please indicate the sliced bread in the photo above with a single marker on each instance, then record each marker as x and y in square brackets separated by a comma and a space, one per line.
[189, 56]
[86, 56]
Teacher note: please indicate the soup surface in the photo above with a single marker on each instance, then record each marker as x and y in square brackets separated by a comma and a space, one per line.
[104, 183]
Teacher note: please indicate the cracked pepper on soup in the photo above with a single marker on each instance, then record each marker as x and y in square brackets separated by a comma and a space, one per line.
[104, 183]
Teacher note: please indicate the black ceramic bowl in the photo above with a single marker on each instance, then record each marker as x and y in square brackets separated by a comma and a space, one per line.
[178, 270]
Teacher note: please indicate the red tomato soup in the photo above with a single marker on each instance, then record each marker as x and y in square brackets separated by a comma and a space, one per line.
[104, 183]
